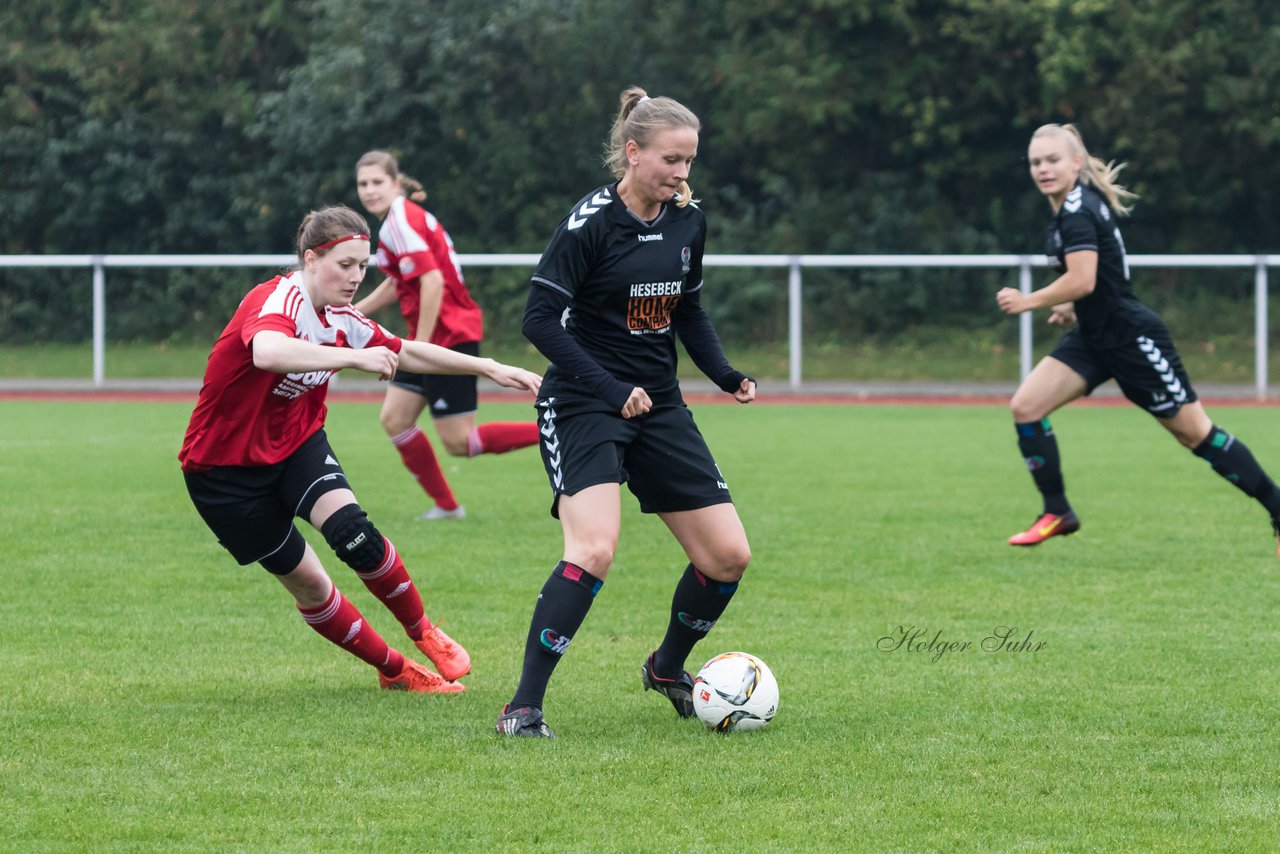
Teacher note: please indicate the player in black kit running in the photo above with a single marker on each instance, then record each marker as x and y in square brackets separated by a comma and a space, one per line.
[1115, 336]
[620, 278]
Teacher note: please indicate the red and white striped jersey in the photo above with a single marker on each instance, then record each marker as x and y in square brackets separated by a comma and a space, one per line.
[246, 416]
[412, 242]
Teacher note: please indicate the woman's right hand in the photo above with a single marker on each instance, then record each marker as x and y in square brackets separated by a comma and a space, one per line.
[638, 403]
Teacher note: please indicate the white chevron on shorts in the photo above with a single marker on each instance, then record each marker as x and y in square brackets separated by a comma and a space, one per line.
[551, 441]
[1163, 369]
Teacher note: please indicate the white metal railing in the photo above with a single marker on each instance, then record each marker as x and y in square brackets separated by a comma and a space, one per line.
[793, 263]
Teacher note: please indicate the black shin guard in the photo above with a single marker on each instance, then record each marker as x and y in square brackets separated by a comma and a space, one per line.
[1040, 452]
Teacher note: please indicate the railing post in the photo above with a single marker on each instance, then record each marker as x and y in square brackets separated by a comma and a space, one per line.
[1024, 319]
[99, 321]
[1260, 327]
[793, 321]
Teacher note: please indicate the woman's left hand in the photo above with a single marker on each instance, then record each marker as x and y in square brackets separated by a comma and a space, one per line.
[1063, 314]
[509, 376]
[746, 391]
[1011, 301]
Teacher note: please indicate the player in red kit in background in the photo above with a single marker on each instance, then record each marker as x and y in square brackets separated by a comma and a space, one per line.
[424, 276]
[255, 454]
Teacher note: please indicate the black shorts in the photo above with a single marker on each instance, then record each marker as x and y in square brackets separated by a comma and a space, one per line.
[446, 394]
[251, 508]
[1147, 368]
[660, 455]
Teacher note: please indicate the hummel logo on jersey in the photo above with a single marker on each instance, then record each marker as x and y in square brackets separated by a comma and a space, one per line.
[1074, 199]
[645, 238]
[578, 218]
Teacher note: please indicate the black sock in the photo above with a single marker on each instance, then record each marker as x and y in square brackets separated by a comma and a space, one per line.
[697, 604]
[1232, 459]
[562, 606]
[1040, 452]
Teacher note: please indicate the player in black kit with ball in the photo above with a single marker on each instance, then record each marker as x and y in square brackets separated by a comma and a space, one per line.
[621, 277]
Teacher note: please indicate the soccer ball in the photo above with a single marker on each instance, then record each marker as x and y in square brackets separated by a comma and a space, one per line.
[735, 691]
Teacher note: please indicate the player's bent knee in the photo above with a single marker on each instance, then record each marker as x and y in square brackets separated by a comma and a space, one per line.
[595, 558]
[733, 566]
[354, 538]
[1025, 411]
[454, 448]
[727, 565]
[311, 593]
[1188, 441]
[394, 424]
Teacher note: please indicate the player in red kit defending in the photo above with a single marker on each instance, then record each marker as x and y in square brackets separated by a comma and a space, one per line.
[423, 275]
[255, 454]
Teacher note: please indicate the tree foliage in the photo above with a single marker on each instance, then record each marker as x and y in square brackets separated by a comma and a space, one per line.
[829, 126]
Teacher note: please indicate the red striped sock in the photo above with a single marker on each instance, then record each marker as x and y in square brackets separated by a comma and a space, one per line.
[420, 459]
[394, 588]
[340, 622]
[501, 436]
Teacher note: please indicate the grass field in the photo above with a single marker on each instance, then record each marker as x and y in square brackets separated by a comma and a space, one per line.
[930, 354]
[158, 697]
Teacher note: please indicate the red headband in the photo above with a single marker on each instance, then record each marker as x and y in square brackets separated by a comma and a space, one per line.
[338, 240]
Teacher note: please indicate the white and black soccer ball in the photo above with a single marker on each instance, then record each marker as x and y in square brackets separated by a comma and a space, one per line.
[735, 691]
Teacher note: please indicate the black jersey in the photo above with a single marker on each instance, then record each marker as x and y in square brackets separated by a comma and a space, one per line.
[625, 279]
[1110, 315]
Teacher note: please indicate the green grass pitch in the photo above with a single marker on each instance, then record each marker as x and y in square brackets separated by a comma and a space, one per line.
[156, 696]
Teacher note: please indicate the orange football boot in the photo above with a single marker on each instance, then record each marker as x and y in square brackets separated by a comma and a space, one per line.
[414, 677]
[1048, 525]
[445, 653]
